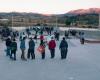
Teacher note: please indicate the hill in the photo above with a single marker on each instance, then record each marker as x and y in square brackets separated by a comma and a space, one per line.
[80, 16]
[85, 11]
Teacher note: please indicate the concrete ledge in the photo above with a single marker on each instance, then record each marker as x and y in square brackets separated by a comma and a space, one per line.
[92, 41]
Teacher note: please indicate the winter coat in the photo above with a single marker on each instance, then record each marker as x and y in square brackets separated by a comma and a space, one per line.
[63, 44]
[8, 42]
[31, 44]
[14, 46]
[22, 44]
[52, 44]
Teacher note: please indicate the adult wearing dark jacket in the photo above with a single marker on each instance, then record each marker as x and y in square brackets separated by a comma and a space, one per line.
[31, 49]
[63, 48]
[52, 46]
[13, 49]
[66, 34]
[8, 45]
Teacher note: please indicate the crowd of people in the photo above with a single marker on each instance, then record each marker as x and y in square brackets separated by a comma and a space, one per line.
[12, 48]
[11, 43]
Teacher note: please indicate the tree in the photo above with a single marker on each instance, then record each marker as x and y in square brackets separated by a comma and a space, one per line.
[68, 22]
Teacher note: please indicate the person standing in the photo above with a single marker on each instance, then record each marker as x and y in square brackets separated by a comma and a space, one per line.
[52, 46]
[58, 34]
[43, 50]
[35, 37]
[8, 45]
[31, 49]
[82, 37]
[23, 47]
[13, 49]
[66, 34]
[63, 48]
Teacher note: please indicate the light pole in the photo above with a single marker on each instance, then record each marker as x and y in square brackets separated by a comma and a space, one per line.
[12, 20]
[99, 21]
[56, 21]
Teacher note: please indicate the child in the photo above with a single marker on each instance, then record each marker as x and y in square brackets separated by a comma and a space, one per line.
[43, 50]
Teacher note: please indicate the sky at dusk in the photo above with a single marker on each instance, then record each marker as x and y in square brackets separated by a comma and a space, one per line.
[47, 6]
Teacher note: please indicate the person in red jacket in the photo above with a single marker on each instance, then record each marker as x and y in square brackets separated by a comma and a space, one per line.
[52, 46]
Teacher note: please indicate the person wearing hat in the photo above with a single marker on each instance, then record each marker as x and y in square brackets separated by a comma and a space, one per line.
[52, 46]
[42, 45]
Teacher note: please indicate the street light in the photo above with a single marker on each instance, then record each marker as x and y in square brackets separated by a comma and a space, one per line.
[99, 21]
[56, 21]
[12, 20]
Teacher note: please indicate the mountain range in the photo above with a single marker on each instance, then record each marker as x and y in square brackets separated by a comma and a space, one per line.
[84, 16]
[84, 11]
[70, 13]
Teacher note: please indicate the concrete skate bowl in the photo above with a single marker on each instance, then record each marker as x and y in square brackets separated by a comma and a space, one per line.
[92, 41]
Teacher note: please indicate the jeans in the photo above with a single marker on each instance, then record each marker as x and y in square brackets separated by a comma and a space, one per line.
[63, 53]
[52, 51]
[8, 51]
[43, 55]
[13, 52]
[23, 54]
[31, 53]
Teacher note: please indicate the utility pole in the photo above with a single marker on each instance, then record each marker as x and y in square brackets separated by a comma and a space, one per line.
[56, 21]
[99, 21]
[12, 21]
[25, 22]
